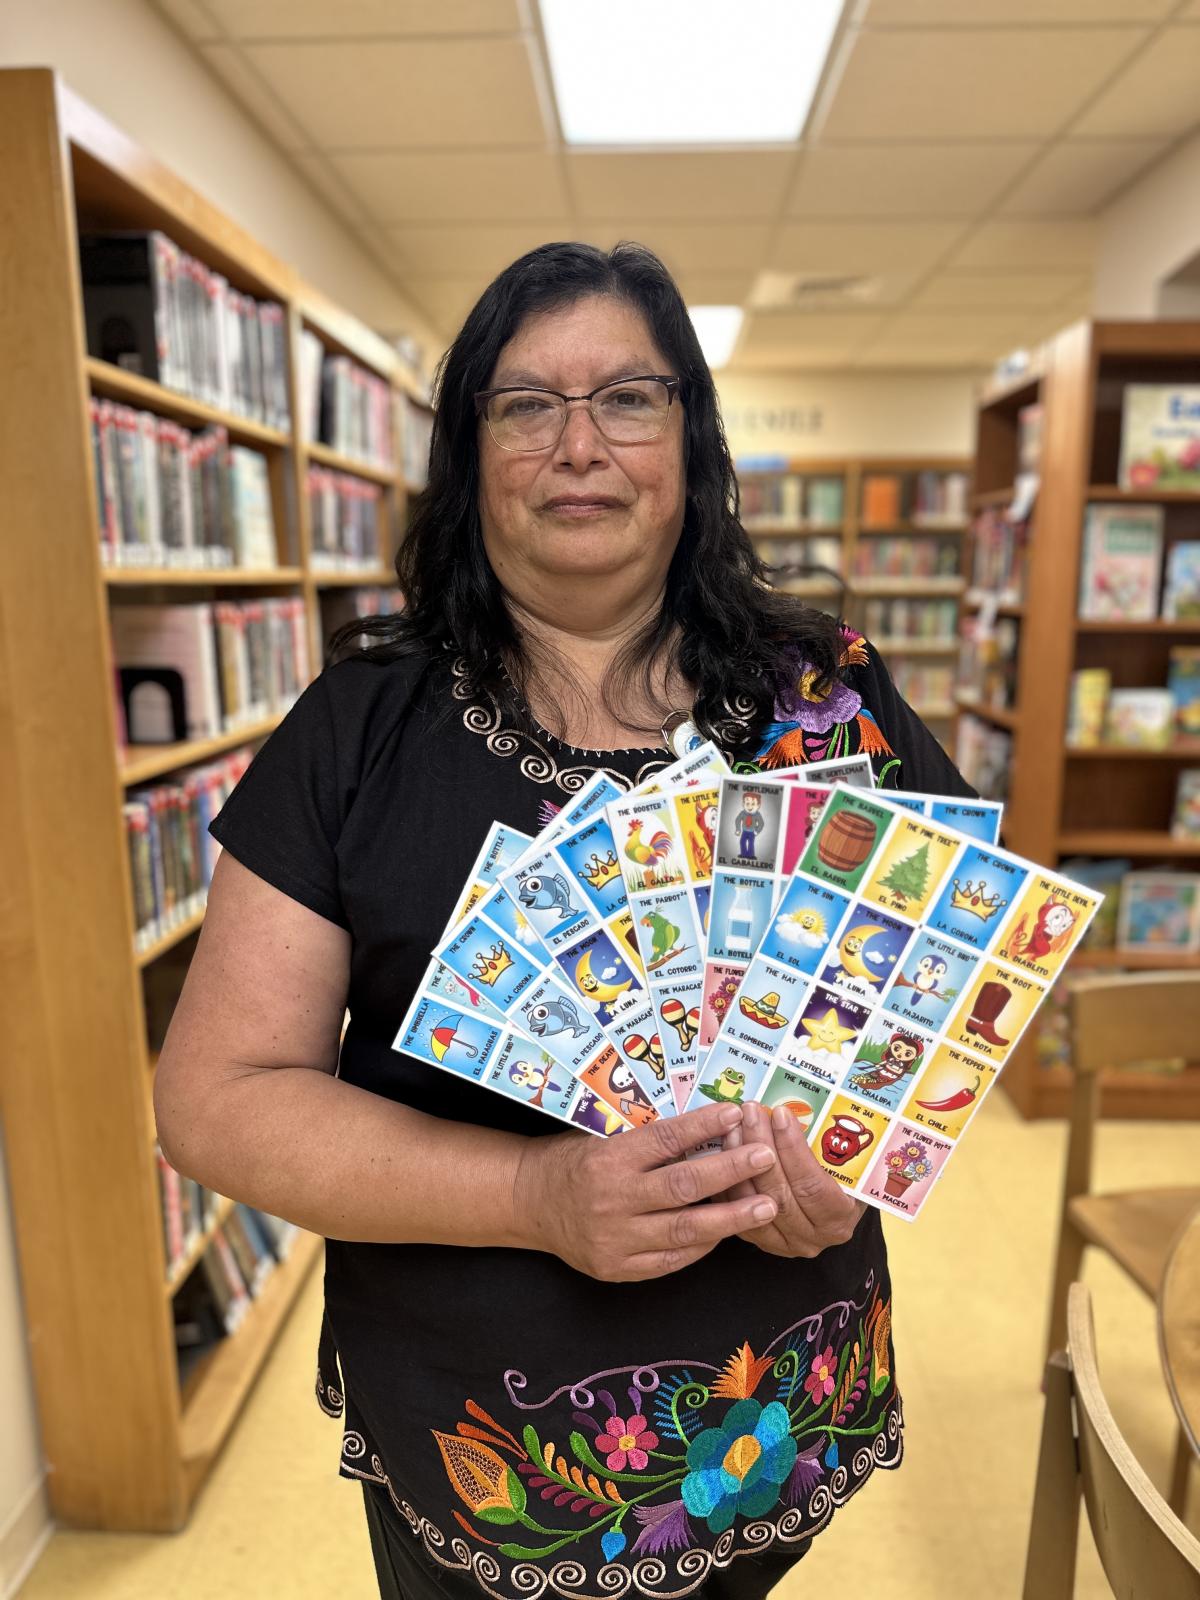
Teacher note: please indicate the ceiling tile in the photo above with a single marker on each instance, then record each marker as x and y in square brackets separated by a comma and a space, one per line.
[464, 252]
[457, 186]
[256, 98]
[977, 13]
[1029, 246]
[865, 247]
[883, 357]
[720, 184]
[1079, 176]
[1157, 96]
[715, 288]
[349, 19]
[689, 247]
[190, 18]
[971, 83]
[414, 93]
[766, 330]
[987, 291]
[882, 180]
[793, 358]
[331, 187]
[445, 301]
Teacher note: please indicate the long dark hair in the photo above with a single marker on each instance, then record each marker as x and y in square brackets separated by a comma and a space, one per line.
[721, 625]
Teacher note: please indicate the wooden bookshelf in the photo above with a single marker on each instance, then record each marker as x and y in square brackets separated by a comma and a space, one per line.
[1068, 801]
[127, 1447]
[855, 592]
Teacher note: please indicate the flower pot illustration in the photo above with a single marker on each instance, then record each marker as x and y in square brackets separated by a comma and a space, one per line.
[843, 1139]
[846, 841]
[989, 1003]
[896, 1184]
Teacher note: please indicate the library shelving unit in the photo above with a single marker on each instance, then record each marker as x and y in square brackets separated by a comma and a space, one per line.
[127, 1445]
[845, 536]
[1102, 801]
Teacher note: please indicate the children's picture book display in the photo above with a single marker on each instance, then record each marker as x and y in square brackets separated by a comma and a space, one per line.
[877, 957]
[1122, 563]
[1160, 436]
[1160, 912]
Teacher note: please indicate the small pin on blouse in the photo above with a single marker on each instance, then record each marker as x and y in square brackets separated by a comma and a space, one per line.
[681, 734]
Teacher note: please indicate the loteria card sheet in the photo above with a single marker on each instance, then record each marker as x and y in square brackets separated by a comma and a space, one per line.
[903, 962]
[760, 828]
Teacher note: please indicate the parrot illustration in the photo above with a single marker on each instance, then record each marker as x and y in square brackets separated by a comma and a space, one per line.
[663, 935]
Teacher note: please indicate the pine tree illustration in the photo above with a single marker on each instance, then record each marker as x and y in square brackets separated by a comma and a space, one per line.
[909, 877]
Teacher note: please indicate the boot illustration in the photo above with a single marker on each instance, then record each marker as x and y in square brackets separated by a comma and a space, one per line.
[990, 1002]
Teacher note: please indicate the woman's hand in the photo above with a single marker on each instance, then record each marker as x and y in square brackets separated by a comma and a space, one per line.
[632, 1207]
[813, 1211]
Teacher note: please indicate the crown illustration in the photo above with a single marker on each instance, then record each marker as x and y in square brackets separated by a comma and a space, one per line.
[973, 898]
[488, 967]
[601, 870]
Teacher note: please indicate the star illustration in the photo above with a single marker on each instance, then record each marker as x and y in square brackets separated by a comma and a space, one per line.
[827, 1034]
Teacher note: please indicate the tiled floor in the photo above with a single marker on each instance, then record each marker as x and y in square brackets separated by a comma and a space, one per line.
[971, 1287]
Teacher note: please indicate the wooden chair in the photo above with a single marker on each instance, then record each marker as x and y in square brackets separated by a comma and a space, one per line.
[1117, 1020]
[1146, 1552]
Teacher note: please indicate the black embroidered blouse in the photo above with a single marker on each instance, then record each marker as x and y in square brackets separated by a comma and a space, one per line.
[531, 1428]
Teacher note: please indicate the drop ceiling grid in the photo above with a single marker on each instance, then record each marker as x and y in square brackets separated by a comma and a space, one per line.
[956, 160]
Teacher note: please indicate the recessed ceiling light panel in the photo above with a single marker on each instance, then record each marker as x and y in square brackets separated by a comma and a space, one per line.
[717, 328]
[686, 72]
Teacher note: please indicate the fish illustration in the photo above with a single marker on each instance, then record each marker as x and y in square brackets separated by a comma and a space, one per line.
[547, 894]
[550, 1017]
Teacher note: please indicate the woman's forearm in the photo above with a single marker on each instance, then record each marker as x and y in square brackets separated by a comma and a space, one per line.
[345, 1163]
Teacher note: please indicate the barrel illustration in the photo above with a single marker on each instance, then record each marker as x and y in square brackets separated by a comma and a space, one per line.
[846, 841]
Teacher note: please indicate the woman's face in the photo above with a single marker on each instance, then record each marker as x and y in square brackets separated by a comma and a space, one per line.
[583, 508]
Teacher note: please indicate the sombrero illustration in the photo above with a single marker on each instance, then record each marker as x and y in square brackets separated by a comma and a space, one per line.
[765, 1012]
[444, 1035]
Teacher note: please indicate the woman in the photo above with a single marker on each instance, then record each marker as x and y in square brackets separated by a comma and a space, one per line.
[558, 1354]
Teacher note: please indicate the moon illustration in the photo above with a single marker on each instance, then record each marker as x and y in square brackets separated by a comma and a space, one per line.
[597, 988]
[852, 959]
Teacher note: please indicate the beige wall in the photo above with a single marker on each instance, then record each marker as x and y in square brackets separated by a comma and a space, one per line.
[1149, 234]
[122, 56]
[848, 414]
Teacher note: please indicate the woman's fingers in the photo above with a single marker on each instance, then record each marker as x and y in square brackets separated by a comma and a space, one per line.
[745, 1190]
[830, 1211]
[671, 1138]
[686, 1183]
[681, 1237]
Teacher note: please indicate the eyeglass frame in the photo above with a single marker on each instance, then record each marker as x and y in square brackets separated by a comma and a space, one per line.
[484, 396]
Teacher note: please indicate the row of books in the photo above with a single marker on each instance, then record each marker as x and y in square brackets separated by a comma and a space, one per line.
[1154, 910]
[999, 546]
[170, 850]
[815, 550]
[983, 754]
[416, 432]
[210, 1304]
[1122, 571]
[344, 405]
[154, 310]
[1142, 718]
[793, 499]
[924, 684]
[343, 516]
[885, 556]
[167, 497]
[927, 619]
[987, 660]
[197, 670]
[340, 606]
[925, 498]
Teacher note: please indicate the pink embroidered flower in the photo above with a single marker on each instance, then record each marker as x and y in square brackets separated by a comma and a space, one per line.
[627, 1442]
[821, 1380]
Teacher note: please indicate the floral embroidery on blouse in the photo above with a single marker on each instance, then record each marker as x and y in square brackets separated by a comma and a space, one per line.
[654, 1458]
[809, 726]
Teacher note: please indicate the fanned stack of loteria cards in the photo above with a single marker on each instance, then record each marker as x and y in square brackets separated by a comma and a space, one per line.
[867, 960]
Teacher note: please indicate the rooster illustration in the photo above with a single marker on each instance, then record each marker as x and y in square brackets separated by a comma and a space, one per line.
[648, 855]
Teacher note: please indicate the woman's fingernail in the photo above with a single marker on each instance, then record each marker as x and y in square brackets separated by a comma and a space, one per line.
[781, 1119]
[731, 1116]
[762, 1157]
[763, 1210]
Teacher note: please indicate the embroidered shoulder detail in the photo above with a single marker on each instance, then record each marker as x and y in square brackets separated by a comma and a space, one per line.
[668, 1470]
[538, 762]
[809, 725]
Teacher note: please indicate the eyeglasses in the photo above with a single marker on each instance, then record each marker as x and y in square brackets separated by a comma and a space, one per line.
[630, 411]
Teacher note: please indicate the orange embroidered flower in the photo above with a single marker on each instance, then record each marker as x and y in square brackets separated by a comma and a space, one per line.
[482, 1479]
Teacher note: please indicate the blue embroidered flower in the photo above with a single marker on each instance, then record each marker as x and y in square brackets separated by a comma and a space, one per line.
[739, 1468]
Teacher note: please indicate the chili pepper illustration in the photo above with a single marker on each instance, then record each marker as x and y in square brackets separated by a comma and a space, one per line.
[955, 1102]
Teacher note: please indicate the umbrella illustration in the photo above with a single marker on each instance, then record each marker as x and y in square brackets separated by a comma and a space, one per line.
[443, 1037]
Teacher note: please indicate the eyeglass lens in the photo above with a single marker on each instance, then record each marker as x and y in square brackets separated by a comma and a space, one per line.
[625, 413]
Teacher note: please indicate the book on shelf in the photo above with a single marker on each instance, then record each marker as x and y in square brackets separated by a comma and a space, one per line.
[905, 556]
[1087, 707]
[999, 548]
[987, 660]
[923, 684]
[1029, 439]
[1122, 563]
[1105, 875]
[881, 500]
[914, 617]
[343, 405]
[152, 309]
[824, 502]
[1185, 818]
[342, 606]
[1159, 912]
[809, 550]
[1160, 436]
[1183, 685]
[1140, 719]
[768, 500]
[343, 516]
[939, 498]
[167, 497]
[1181, 584]
[983, 754]
[416, 433]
